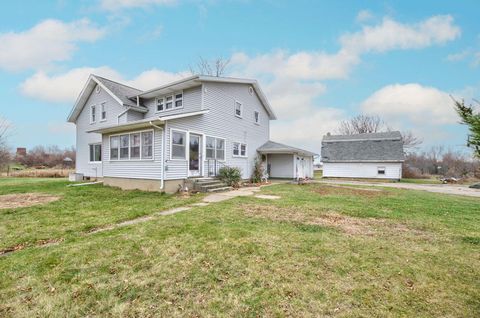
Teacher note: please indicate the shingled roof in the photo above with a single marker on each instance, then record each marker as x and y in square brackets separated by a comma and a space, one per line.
[122, 91]
[275, 147]
[374, 147]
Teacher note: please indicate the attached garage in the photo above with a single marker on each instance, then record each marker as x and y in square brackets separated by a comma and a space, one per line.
[286, 162]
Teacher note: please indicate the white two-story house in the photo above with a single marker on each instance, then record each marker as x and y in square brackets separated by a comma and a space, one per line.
[157, 139]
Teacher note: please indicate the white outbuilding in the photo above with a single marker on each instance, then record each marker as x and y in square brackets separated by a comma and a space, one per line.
[373, 156]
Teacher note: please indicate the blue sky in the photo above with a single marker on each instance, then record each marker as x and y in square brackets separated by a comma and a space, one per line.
[319, 62]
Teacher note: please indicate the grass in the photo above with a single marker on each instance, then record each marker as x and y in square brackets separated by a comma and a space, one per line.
[317, 251]
[421, 181]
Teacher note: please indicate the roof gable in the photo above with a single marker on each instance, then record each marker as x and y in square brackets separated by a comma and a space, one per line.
[119, 93]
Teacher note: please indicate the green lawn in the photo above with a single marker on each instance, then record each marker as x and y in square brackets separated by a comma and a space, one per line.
[317, 251]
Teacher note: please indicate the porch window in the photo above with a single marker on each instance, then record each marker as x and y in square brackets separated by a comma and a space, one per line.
[95, 153]
[114, 143]
[239, 149]
[178, 145]
[124, 145]
[135, 146]
[215, 148]
[147, 145]
[238, 109]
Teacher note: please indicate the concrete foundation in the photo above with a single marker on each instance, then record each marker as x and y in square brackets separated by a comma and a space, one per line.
[170, 186]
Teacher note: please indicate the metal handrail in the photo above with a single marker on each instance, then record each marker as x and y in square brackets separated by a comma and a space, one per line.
[214, 166]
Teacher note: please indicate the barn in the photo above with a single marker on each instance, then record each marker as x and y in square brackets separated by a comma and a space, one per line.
[372, 155]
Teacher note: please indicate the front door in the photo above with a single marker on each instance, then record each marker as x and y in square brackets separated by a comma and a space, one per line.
[195, 160]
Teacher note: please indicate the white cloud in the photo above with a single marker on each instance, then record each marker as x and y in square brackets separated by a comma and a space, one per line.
[455, 57]
[115, 5]
[417, 104]
[392, 35]
[47, 42]
[364, 15]
[64, 88]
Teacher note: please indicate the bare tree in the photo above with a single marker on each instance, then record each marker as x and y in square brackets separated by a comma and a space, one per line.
[362, 124]
[215, 67]
[5, 128]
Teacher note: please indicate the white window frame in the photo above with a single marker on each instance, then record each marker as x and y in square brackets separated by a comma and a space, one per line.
[129, 144]
[215, 148]
[235, 109]
[239, 150]
[103, 110]
[93, 114]
[384, 171]
[174, 101]
[256, 120]
[95, 144]
[186, 140]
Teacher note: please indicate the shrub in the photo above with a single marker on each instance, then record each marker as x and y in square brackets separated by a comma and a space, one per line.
[230, 175]
[257, 173]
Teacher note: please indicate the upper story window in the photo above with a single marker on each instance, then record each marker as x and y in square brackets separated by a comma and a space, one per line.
[239, 149]
[103, 112]
[160, 104]
[169, 102]
[178, 100]
[178, 145]
[93, 115]
[95, 152]
[215, 148]
[132, 146]
[238, 109]
[256, 117]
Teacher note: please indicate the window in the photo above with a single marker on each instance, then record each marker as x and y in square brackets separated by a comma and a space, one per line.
[169, 102]
[95, 153]
[92, 114]
[178, 145]
[160, 104]
[178, 100]
[239, 149]
[114, 143]
[215, 148]
[103, 110]
[381, 170]
[147, 145]
[238, 109]
[256, 117]
[135, 146]
[124, 143]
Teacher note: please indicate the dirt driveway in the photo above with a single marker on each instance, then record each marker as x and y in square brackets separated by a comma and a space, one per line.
[438, 188]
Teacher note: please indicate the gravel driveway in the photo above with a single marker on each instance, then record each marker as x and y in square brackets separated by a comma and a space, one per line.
[438, 188]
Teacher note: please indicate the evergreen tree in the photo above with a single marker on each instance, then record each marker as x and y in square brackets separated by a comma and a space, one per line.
[472, 120]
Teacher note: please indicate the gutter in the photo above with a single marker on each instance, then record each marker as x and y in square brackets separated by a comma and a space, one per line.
[162, 183]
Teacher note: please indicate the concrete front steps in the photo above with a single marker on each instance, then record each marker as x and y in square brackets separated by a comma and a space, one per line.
[209, 185]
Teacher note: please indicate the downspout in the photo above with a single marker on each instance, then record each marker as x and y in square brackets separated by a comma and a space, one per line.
[163, 153]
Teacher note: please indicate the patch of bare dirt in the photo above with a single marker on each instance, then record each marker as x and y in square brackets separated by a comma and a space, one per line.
[21, 200]
[347, 224]
[346, 190]
[21, 246]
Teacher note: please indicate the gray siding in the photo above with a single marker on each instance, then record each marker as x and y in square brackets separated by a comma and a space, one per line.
[83, 139]
[135, 169]
[220, 121]
[191, 102]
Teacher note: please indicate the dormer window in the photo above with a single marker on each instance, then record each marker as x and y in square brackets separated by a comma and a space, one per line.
[160, 104]
[238, 109]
